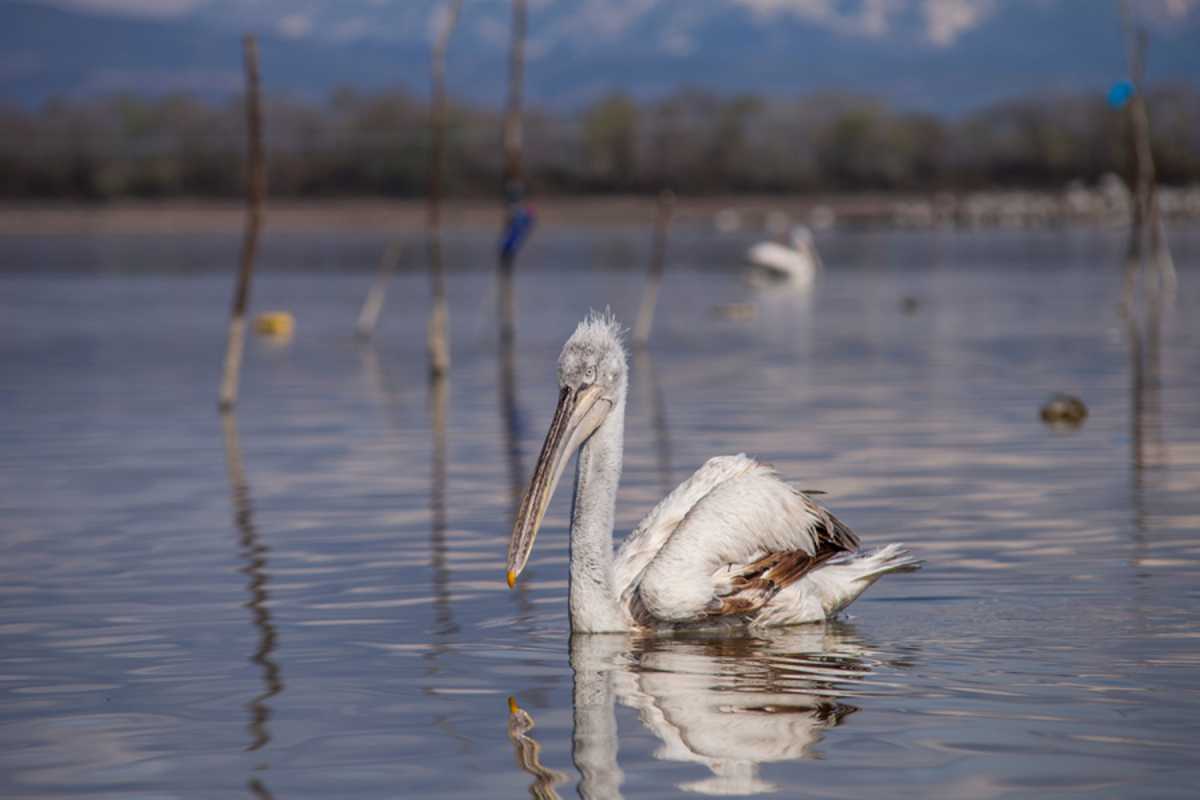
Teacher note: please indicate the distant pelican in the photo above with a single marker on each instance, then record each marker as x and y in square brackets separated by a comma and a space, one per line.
[798, 263]
[732, 545]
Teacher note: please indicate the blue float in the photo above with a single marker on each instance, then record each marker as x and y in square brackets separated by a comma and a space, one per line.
[1120, 93]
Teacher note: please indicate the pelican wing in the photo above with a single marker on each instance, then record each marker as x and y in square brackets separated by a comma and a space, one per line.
[735, 546]
[641, 546]
[752, 586]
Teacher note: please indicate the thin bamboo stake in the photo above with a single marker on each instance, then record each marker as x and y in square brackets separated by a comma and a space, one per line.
[368, 316]
[513, 187]
[439, 346]
[513, 133]
[1146, 224]
[654, 276]
[256, 189]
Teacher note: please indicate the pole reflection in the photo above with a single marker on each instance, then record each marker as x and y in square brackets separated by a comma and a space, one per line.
[444, 627]
[652, 397]
[380, 389]
[1148, 448]
[444, 624]
[259, 790]
[254, 554]
[510, 416]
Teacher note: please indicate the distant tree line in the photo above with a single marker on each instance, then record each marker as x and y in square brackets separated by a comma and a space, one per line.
[693, 141]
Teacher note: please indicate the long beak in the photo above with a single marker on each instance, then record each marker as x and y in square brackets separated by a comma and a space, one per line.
[579, 413]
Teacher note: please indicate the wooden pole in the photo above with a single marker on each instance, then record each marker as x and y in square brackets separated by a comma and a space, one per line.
[256, 189]
[513, 191]
[439, 346]
[513, 185]
[1147, 228]
[368, 317]
[654, 275]
[1146, 222]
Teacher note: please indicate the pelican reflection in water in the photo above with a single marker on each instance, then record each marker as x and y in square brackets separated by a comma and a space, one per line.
[731, 546]
[728, 704]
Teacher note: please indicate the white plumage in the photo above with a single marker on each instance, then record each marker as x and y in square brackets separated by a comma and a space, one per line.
[733, 544]
[732, 512]
[797, 263]
[729, 705]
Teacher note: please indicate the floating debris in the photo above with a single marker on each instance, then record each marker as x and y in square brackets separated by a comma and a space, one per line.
[909, 304]
[1064, 409]
[279, 324]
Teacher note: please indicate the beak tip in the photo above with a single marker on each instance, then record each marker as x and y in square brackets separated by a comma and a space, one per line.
[511, 577]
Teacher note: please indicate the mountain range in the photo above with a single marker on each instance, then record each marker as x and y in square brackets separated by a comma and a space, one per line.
[946, 56]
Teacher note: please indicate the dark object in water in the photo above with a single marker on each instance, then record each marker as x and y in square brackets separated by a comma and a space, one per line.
[735, 311]
[1064, 409]
[909, 304]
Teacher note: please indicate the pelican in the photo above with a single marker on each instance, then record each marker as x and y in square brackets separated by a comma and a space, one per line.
[731, 545]
[798, 263]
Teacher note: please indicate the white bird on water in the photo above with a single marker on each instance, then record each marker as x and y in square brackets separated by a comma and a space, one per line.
[798, 263]
[732, 545]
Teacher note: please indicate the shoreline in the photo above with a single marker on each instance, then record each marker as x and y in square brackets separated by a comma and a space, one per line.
[726, 212]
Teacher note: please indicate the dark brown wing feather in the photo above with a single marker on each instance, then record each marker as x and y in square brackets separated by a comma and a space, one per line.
[753, 585]
[832, 530]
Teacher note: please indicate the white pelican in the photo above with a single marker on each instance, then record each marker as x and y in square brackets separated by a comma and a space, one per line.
[798, 263]
[733, 544]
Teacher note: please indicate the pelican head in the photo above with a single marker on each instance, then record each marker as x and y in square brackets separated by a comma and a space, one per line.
[591, 379]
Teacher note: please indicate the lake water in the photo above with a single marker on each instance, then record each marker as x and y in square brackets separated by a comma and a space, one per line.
[309, 601]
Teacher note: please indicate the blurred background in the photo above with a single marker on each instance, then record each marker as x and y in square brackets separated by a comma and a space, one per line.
[935, 258]
[106, 100]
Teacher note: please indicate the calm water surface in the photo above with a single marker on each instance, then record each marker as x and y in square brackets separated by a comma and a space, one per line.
[309, 601]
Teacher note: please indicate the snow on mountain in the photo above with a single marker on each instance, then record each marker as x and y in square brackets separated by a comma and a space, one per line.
[945, 55]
